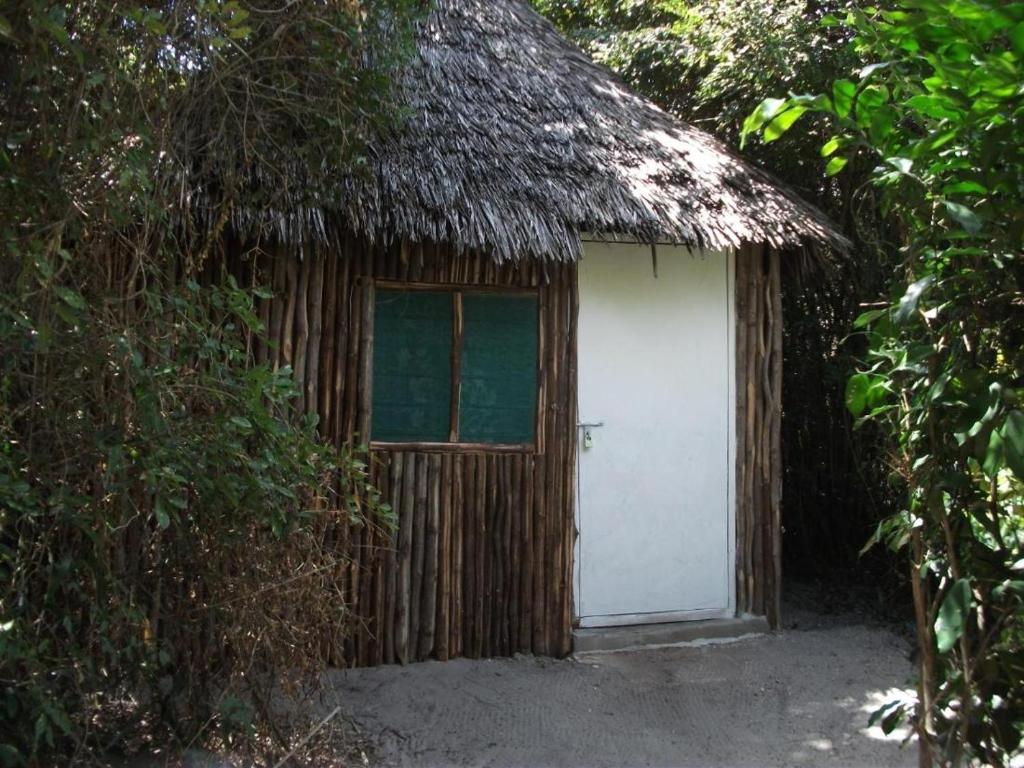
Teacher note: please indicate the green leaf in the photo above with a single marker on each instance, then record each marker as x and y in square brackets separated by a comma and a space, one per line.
[864, 391]
[995, 454]
[829, 147]
[1012, 433]
[163, 520]
[869, 101]
[883, 120]
[6, 31]
[835, 165]
[71, 298]
[1016, 36]
[901, 164]
[764, 112]
[870, 69]
[59, 718]
[964, 188]
[856, 393]
[952, 618]
[964, 216]
[867, 318]
[842, 96]
[933, 106]
[241, 422]
[782, 123]
[908, 304]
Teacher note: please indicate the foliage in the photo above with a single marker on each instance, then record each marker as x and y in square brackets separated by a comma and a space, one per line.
[163, 509]
[705, 61]
[938, 109]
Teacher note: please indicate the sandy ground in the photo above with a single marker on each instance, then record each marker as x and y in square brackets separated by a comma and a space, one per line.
[797, 698]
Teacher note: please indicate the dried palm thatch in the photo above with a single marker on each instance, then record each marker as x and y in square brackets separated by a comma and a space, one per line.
[515, 142]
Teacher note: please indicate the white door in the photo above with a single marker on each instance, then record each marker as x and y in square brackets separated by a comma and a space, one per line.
[655, 513]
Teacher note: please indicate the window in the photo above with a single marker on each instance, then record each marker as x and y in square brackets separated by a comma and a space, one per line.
[454, 366]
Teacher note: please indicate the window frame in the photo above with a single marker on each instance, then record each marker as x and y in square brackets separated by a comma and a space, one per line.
[453, 444]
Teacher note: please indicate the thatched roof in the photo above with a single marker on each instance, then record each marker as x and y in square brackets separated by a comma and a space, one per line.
[516, 142]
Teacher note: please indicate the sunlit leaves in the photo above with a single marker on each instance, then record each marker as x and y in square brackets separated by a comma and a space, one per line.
[953, 615]
[835, 165]
[843, 92]
[783, 122]
[937, 105]
[865, 392]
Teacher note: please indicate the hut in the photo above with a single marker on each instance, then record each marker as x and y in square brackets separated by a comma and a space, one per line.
[552, 313]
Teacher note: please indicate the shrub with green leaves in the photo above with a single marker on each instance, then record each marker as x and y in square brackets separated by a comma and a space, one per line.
[938, 105]
[165, 514]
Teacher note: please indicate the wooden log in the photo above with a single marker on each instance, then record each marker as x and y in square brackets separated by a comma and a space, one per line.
[458, 517]
[481, 558]
[456, 367]
[418, 542]
[383, 548]
[428, 613]
[367, 557]
[352, 394]
[342, 545]
[526, 571]
[495, 566]
[288, 321]
[752, 368]
[570, 445]
[405, 534]
[515, 534]
[507, 546]
[442, 634]
[315, 313]
[492, 533]
[539, 640]
[277, 307]
[391, 564]
[775, 464]
[341, 335]
[403, 260]
[328, 345]
[740, 290]
[760, 435]
[559, 383]
[355, 582]
[366, 365]
[552, 490]
[301, 331]
[467, 615]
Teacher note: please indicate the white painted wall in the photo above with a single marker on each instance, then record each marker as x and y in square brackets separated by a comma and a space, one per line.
[655, 503]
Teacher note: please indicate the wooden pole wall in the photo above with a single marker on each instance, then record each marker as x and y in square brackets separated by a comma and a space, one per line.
[758, 432]
[481, 561]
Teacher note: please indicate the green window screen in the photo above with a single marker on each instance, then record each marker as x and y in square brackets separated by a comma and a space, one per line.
[412, 374]
[498, 398]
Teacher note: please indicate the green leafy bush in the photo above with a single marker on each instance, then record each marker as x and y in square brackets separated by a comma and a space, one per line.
[938, 107]
[165, 514]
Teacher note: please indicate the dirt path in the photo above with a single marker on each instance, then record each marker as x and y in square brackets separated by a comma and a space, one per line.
[799, 698]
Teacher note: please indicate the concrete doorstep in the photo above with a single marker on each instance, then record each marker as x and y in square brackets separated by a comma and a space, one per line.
[638, 636]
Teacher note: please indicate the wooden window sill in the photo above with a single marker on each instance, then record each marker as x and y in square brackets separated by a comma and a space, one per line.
[528, 448]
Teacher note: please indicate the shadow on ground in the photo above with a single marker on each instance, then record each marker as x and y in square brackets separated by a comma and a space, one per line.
[798, 698]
